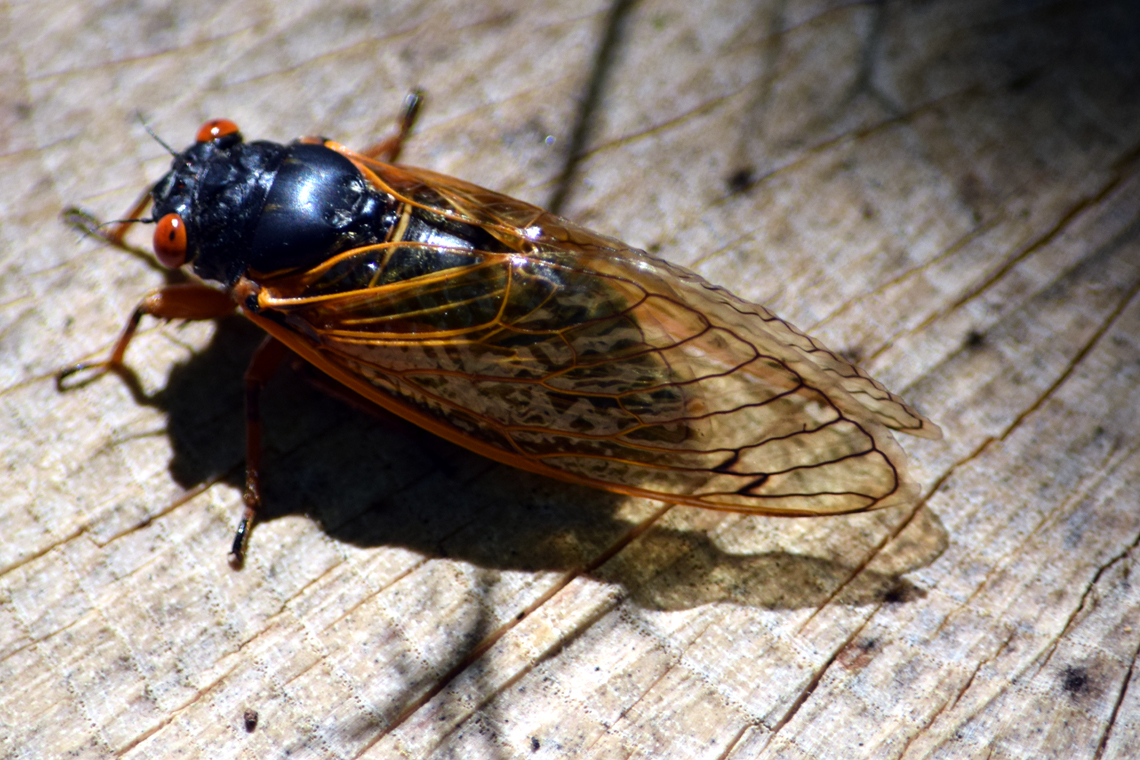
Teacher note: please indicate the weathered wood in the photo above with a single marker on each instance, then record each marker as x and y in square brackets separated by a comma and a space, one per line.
[948, 190]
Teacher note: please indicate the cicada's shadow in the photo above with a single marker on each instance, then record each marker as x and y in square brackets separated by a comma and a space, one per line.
[372, 480]
[203, 400]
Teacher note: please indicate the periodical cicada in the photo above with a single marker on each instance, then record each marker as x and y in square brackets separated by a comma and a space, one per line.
[514, 332]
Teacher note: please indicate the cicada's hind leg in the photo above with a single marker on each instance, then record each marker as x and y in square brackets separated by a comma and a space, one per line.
[388, 150]
[266, 359]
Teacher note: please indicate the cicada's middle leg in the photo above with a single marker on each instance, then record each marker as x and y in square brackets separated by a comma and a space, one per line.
[189, 301]
[388, 150]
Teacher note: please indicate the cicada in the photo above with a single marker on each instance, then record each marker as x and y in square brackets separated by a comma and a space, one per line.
[513, 332]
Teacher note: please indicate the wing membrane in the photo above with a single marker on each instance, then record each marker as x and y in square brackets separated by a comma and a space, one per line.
[569, 354]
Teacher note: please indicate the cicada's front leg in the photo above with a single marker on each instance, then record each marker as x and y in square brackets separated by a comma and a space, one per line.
[113, 233]
[191, 301]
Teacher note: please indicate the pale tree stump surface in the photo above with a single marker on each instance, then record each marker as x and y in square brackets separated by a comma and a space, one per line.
[947, 190]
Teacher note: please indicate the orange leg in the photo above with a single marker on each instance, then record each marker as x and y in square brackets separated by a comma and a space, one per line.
[388, 150]
[114, 233]
[184, 301]
[196, 302]
[119, 231]
[266, 359]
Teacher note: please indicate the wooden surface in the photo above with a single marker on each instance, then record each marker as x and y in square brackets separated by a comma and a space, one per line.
[948, 190]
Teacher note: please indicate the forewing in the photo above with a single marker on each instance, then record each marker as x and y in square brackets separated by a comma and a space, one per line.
[567, 354]
[518, 222]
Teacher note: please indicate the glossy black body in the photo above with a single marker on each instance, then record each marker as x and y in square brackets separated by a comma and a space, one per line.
[267, 207]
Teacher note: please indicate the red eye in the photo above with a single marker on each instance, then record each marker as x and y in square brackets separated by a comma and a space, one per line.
[170, 241]
[216, 129]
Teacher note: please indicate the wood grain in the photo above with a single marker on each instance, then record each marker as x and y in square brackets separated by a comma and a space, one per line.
[946, 190]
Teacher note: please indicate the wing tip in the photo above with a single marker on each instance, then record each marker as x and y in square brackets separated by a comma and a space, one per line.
[926, 429]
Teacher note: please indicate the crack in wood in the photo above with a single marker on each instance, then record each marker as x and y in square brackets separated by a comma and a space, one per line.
[813, 683]
[1106, 735]
[491, 639]
[604, 60]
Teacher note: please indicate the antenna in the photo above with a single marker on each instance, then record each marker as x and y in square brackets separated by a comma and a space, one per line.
[151, 132]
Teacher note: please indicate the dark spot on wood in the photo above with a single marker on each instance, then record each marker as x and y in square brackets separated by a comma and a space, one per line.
[249, 719]
[741, 180]
[853, 355]
[534, 744]
[857, 656]
[975, 339]
[1074, 680]
[896, 594]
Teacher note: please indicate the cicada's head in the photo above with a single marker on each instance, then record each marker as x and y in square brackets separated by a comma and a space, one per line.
[208, 205]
